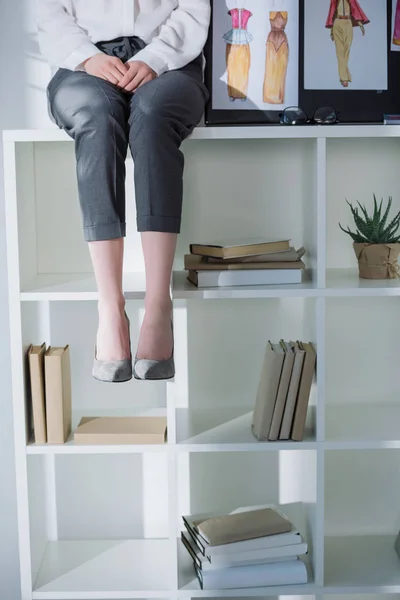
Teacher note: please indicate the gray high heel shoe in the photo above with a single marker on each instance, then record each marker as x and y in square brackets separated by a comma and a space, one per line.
[113, 371]
[144, 368]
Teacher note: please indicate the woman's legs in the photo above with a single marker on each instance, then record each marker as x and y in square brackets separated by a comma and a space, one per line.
[156, 335]
[112, 336]
[94, 113]
[162, 114]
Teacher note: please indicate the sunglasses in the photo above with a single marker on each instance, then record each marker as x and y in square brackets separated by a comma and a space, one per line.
[293, 115]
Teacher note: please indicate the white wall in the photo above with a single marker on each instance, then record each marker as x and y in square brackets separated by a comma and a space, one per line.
[22, 105]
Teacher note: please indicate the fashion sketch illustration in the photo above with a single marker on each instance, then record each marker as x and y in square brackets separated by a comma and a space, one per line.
[343, 16]
[277, 59]
[396, 30]
[238, 56]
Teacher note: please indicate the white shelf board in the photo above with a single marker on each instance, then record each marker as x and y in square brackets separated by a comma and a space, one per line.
[53, 134]
[225, 429]
[183, 289]
[346, 282]
[82, 286]
[104, 569]
[362, 426]
[71, 448]
[78, 286]
[361, 564]
[188, 583]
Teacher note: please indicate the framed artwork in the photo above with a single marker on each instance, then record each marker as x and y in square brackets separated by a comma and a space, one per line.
[265, 55]
[252, 60]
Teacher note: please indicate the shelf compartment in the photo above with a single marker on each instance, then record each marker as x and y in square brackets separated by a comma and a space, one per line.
[105, 569]
[361, 564]
[226, 429]
[188, 583]
[226, 481]
[361, 369]
[361, 521]
[362, 426]
[71, 448]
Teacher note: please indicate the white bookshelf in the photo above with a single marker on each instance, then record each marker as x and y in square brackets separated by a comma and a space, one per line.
[103, 522]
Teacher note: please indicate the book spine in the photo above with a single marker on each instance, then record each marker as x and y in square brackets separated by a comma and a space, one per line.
[54, 400]
[292, 550]
[290, 572]
[66, 393]
[292, 395]
[36, 369]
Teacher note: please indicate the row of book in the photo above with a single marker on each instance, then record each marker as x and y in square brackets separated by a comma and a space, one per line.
[284, 389]
[244, 262]
[50, 387]
[252, 546]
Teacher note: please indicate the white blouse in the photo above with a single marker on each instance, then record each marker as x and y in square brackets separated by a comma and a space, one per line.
[175, 30]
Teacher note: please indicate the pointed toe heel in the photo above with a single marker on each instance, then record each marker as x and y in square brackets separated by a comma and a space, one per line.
[153, 370]
[113, 371]
[146, 369]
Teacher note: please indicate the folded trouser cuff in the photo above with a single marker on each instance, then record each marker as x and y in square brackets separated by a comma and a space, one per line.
[164, 224]
[106, 231]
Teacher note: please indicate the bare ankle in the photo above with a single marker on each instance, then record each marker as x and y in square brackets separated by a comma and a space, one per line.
[158, 305]
[111, 307]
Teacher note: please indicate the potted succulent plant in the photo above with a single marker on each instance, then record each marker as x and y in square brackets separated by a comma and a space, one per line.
[376, 240]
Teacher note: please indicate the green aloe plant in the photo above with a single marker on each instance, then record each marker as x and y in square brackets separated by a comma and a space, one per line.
[373, 229]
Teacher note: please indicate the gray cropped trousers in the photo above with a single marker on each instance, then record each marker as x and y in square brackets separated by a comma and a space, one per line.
[154, 121]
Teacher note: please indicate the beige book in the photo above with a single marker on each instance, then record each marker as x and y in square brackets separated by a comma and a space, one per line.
[242, 526]
[267, 390]
[290, 255]
[121, 430]
[58, 394]
[303, 396]
[294, 384]
[235, 248]
[195, 263]
[282, 391]
[36, 373]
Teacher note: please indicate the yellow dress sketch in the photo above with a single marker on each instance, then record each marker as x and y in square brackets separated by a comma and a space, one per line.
[238, 57]
[277, 59]
[343, 16]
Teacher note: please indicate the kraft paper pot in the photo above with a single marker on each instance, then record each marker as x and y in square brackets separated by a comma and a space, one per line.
[378, 261]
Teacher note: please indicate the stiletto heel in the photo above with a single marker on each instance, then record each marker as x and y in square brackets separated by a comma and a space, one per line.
[152, 370]
[113, 371]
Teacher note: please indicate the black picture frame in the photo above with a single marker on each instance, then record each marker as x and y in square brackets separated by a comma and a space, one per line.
[353, 106]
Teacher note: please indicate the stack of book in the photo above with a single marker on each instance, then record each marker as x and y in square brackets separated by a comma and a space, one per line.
[249, 547]
[244, 262]
[50, 385]
[284, 391]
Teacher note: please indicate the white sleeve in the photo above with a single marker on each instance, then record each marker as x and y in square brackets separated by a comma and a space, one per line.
[62, 42]
[181, 38]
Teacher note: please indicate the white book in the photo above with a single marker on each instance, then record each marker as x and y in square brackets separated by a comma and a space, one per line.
[245, 277]
[279, 573]
[270, 541]
[255, 557]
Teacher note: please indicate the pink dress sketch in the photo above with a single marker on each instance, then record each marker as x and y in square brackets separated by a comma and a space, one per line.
[396, 31]
[238, 56]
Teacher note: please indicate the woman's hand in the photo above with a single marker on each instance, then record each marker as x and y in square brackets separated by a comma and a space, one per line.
[106, 67]
[137, 75]
[362, 28]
